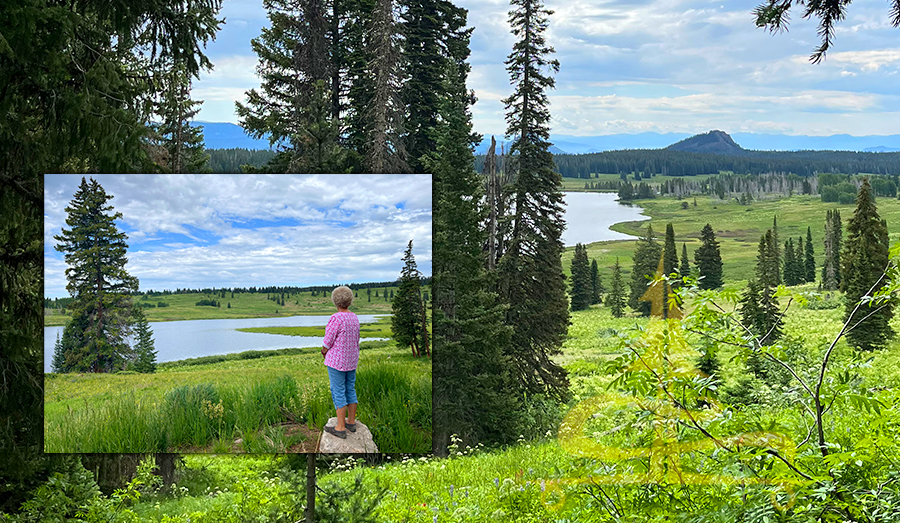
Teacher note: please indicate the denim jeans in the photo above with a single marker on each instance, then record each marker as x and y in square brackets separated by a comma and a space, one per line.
[343, 387]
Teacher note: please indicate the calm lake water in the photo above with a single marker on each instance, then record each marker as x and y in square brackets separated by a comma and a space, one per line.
[177, 340]
[589, 215]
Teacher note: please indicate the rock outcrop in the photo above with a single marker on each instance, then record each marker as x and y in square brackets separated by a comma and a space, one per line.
[359, 442]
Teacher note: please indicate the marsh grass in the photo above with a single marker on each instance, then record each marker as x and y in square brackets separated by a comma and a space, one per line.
[208, 407]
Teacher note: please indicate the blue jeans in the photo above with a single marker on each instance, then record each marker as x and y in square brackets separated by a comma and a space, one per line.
[343, 387]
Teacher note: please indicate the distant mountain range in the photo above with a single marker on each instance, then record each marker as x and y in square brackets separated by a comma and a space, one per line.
[748, 141]
[223, 135]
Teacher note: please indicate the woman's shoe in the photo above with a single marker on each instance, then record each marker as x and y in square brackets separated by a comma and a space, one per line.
[339, 433]
[350, 426]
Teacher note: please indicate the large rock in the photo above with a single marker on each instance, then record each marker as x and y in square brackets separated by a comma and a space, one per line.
[359, 442]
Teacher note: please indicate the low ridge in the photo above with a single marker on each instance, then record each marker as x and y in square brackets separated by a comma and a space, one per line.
[713, 142]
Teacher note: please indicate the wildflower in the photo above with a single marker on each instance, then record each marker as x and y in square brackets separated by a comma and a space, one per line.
[496, 482]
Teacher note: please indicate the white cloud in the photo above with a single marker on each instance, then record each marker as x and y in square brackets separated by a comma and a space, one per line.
[351, 225]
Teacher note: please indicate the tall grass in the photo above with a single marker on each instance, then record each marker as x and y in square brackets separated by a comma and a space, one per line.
[395, 402]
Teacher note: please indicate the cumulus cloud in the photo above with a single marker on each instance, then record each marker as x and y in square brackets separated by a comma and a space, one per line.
[243, 230]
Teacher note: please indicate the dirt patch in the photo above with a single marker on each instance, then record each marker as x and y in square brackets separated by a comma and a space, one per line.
[308, 441]
[743, 233]
[310, 438]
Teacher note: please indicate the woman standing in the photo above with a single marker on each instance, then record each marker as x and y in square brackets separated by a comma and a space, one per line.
[341, 351]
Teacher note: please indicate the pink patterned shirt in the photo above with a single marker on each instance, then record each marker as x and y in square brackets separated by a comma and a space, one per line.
[342, 341]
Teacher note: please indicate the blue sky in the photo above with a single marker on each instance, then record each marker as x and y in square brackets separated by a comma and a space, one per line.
[630, 66]
[248, 230]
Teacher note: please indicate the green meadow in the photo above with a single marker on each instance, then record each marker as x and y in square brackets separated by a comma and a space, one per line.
[244, 305]
[277, 401]
[737, 227]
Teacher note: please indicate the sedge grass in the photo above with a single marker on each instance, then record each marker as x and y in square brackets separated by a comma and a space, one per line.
[210, 406]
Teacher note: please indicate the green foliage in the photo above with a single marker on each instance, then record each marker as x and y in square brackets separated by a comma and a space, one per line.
[582, 288]
[647, 253]
[354, 503]
[144, 350]
[709, 260]
[407, 307]
[615, 300]
[865, 260]
[95, 250]
[597, 289]
[180, 144]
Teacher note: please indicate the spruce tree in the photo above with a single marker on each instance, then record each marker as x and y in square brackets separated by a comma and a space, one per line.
[180, 141]
[790, 263]
[58, 363]
[685, 269]
[530, 273]
[144, 351]
[597, 289]
[95, 251]
[470, 337]
[768, 266]
[809, 258]
[582, 288]
[670, 264]
[865, 260]
[615, 300]
[646, 260]
[407, 307]
[831, 270]
[709, 260]
[775, 253]
[800, 260]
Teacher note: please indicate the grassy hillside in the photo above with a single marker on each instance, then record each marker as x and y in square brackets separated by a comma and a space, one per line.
[245, 305]
[737, 227]
[269, 404]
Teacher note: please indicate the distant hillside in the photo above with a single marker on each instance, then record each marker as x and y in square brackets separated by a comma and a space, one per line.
[713, 142]
[748, 141]
[223, 135]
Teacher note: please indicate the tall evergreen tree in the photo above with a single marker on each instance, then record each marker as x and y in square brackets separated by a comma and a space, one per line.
[709, 260]
[768, 267]
[292, 107]
[685, 268]
[800, 260]
[646, 260]
[809, 258]
[95, 251]
[831, 271]
[470, 337]
[775, 253]
[406, 321]
[582, 289]
[865, 259]
[615, 300]
[180, 141]
[144, 351]
[530, 272]
[670, 263]
[58, 363]
[790, 263]
[385, 151]
[435, 39]
[596, 283]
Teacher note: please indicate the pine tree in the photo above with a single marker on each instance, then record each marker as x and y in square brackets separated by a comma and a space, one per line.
[144, 350]
[181, 142]
[685, 269]
[530, 273]
[809, 258]
[831, 271]
[615, 300]
[775, 253]
[582, 289]
[95, 251]
[292, 106]
[470, 337]
[800, 260]
[385, 151]
[790, 263]
[865, 259]
[646, 260]
[670, 264]
[768, 267]
[596, 283]
[58, 363]
[406, 321]
[709, 260]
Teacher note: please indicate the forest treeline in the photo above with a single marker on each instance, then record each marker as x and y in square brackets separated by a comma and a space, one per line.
[680, 163]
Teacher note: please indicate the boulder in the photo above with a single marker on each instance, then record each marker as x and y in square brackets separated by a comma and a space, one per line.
[359, 442]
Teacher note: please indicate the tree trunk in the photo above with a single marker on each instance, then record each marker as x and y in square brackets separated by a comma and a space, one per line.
[310, 488]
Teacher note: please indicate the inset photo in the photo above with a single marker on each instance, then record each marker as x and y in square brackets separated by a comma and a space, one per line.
[237, 313]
